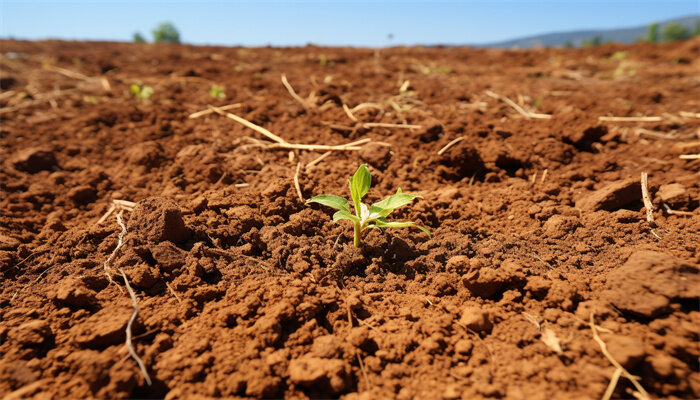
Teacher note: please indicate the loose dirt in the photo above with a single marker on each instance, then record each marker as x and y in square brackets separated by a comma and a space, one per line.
[538, 225]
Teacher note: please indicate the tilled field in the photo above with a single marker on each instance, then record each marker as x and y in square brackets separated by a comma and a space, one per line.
[544, 276]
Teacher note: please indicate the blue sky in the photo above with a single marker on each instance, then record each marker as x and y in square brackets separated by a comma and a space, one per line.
[338, 23]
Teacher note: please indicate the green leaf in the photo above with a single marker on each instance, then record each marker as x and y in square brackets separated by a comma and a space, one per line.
[343, 214]
[359, 185]
[386, 206]
[329, 200]
[381, 223]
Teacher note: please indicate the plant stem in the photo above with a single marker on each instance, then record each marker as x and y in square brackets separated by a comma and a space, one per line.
[358, 235]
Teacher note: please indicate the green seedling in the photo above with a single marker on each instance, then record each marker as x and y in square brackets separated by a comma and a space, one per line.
[365, 217]
[140, 91]
[217, 92]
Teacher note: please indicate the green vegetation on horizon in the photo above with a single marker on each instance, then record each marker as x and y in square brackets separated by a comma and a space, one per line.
[164, 32]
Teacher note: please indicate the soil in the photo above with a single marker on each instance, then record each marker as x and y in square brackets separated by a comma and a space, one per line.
[538, 225]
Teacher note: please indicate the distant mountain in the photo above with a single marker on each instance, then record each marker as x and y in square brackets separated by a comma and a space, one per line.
[625, 35]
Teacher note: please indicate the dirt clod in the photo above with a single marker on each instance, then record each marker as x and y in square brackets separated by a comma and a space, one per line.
[74, 292]
[34, 159]
[650, 281]
[323, 376]
[32, 333]
[158, 219]
[612, 196]
[476, 319]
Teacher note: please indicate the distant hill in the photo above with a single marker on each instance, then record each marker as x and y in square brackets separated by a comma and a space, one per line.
[625, 35]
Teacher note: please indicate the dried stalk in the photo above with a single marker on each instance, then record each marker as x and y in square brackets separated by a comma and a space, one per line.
[209, 111]
[630, 119]
[385, 125]
[516, 107]
[647, 199]
[296, 182]
[604, 349]
[294, 94]
[448, 145]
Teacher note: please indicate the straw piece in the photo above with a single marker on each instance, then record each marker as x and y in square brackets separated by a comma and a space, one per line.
[249, 124]
[209, 111]
[516, 107]
[294, 94]
[448, 145]
[630, 119]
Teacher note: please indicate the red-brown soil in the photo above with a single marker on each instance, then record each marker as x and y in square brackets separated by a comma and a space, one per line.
[244, 291]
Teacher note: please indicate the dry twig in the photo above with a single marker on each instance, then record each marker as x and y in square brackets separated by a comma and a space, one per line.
[604, 349]
[386, 125]
[349, 113]
[516, 107]
[120, 243]
[209, 111]
[630, 119]
[294, 94]
[129, 345]
[647, 199]
[689, 156]
[296, 182]
[317, 160]
[687, 114]
[448, 145]
[281, 143]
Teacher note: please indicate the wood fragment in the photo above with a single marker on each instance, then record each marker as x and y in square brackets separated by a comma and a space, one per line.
[294, 94]
[210, 111]
[689, 156]
[516, 107]
[129, 345]
[544, 175]
[296, 182]
[630, 119]
[450, 144]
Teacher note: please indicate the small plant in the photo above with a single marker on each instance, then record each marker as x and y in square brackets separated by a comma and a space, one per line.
[365, 217]
[217, 92]
[138, 38]
[141, 91]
